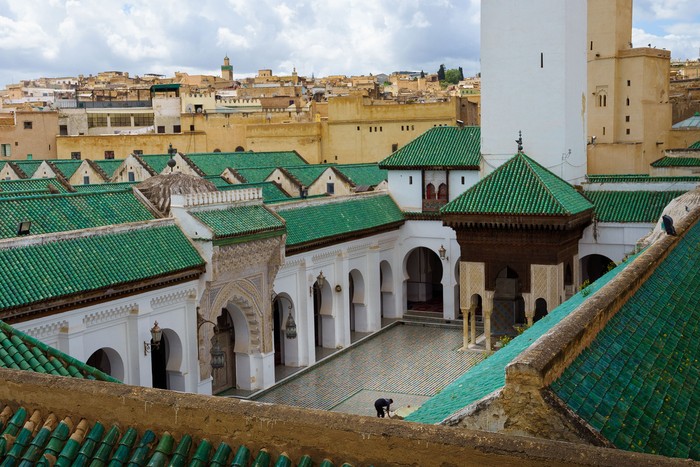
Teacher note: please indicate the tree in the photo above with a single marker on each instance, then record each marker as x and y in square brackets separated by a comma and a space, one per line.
[441, 73]
[422, 74]
[452, 76]
[461, 74]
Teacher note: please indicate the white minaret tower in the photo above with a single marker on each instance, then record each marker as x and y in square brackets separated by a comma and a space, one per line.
[533, 79]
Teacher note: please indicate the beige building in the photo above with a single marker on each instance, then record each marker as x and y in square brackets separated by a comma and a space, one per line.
[629, 114]
[27, 134]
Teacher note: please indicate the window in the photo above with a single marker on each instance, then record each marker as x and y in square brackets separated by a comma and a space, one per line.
[75, 155]
[97, 120]
[603, 131]
[138, 151]
[542, 60]
[161, 129]
[442, 191]
[394, 147]
[627, 131]
[120, 120]
[430, 191]
[131, 177]
[628, 102]
[27, 125]
[177, 129]
[191, 127]
[330, 188]
[143, 119]
[591, 45]
[5, 150]
[370, 129]
[63, 130]
[413, 127]
[109, 154]
[86, 180]
[462, 180]
[358, 128]
[629, 83]
[627, 118]
[401, 127]
[381, 129]
[602, 100]
[410, 179]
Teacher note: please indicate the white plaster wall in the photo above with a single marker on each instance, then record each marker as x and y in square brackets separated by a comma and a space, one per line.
[462, 180]
[406, 187]
[614, 240]
[516, 81]
[123, 325]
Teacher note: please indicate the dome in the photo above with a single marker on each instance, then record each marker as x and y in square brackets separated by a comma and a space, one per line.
[158, 189]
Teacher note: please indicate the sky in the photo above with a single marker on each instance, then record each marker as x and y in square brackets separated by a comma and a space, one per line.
[57, 38]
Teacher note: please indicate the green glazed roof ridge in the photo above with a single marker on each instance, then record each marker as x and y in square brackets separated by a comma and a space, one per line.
[439, 147]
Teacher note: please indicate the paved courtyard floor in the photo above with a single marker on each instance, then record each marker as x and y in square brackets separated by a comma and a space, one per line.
[406, 362]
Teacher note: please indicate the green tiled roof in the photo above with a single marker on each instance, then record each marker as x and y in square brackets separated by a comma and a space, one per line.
[695, 145]
[271, 191]
[490, 375]
[217, 181]
[638, 382]
[30, 185]
[109, 165]
[439, 147]
[692, 123]
[676, 162]
[307, 174]
[28, 167]
[240, 220]
[20, 351]
[70, 211]
[66, 167]
[630, 206]
[521, 187]
[255, 175]
[47, 271]
[363, 174]
[157, 162]
[326, 220]
[126, 186]
[215, 163]
[92, 443]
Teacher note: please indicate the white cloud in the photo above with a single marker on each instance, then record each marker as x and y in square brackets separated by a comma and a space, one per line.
[227, 38]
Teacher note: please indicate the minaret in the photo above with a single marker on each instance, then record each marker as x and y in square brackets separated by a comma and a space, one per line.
[227, 69]
[533, 79]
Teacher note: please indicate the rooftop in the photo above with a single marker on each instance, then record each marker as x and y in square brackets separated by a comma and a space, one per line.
[439, 148]
[630, 206]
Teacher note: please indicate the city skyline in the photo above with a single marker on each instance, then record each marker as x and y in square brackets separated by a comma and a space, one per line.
[54, 38]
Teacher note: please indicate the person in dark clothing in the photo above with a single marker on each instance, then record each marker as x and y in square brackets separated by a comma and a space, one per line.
[383, 405]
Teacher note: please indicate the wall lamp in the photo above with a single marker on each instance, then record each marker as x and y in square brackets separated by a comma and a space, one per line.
[156, 336]
[290, 328]
[443, 252]
[218, 357]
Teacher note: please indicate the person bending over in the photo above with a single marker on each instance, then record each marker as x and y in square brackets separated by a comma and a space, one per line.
[382, 406]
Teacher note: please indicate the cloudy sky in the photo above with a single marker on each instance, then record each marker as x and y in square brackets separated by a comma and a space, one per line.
[321, 37]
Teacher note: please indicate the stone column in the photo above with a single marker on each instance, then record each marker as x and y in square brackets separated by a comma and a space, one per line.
[472, 318]
[466, 312]
[486, 309]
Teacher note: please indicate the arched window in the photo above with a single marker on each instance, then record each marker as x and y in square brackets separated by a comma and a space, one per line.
[430, 191]
[442, 191]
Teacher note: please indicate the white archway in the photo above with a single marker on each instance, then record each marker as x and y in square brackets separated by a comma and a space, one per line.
[107, 360]
[358, 313]
[423, 271]
[386, 287]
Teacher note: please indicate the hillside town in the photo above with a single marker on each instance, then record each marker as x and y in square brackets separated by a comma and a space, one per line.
[211, 270]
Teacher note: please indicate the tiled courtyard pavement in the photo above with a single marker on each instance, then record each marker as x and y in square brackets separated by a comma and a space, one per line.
[407, 363]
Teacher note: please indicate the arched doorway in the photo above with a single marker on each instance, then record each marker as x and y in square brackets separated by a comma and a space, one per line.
[108, 361]
[159, 361]
[166, 362]
[593, 267]
[540, 309]
[386, 287]
[508, 304]
[324, 327]
[225, 337]
[359, 320]
[424, 283]
[282, 308]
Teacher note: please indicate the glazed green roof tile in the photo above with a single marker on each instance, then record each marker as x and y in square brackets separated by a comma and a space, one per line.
[490, 374]
[521, 187]
[115, 445]
[99, 187]
[157, 162]
[271, 191]
[215, 163]
[109, 165]
[256, 175]
[42, 272]
[28, 167]
[631, 206]
[217, 181]
[695, 145]
[363, 174]
[439, 147]
[638, 382]
[330, 219]
[676, 162]
[637, 178]
[66, 167]
[21, 351]
[307, 174]
[240, 220]
[70, 211]
[30, 185]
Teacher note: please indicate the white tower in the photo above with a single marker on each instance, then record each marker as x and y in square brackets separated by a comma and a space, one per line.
[533, 79]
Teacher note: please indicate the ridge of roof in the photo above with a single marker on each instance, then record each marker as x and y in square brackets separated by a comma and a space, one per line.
[439, 147]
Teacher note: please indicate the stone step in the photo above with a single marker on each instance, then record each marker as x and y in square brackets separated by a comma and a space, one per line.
[430, 319]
